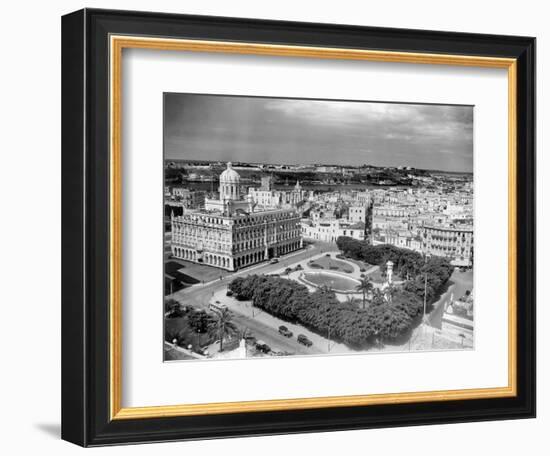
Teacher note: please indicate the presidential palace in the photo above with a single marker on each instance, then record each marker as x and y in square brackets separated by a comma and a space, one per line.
[233, 231]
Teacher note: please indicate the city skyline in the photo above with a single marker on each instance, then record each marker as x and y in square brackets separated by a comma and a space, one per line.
[305, 131]
[261, 271]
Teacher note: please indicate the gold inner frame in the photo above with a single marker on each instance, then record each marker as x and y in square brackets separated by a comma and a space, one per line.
[117, 44]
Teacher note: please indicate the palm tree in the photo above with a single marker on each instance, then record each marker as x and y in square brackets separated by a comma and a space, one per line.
[224, 324]
[365, 286]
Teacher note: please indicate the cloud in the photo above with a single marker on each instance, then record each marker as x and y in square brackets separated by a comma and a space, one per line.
[315, 131]
[390, 120]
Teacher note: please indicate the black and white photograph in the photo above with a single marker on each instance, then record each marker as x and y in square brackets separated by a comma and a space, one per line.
[296, 227]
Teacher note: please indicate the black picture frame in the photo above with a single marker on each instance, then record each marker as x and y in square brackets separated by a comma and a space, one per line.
[85, 228]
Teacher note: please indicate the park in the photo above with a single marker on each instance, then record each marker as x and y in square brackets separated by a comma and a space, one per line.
[353, 299]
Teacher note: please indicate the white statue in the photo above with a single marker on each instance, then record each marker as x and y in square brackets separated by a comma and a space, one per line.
[389, 272]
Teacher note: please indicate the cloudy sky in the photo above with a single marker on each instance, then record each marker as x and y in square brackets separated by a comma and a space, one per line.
[278, 130]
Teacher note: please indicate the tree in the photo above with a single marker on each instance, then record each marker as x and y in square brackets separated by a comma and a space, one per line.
[173, 336]
[200, 322]
[365, 286]
[321, 312]
[390, 321]
[171, 306]
[224, 324]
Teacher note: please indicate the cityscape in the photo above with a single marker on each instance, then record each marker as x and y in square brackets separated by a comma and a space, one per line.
[266, 259]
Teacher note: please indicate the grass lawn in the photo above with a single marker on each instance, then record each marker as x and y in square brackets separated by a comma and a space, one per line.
[332, 264]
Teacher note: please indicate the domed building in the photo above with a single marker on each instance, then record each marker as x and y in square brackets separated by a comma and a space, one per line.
[231, 233]
[230, 200]
[229, 183]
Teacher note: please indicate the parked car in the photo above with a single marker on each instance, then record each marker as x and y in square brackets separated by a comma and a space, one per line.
[274, 260]
[283, 330]
[229, 293]
[250, 339]
[304, 340]
[262, 346]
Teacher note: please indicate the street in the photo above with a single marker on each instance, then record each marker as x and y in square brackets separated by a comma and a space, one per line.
[201, 295]
[458, 284]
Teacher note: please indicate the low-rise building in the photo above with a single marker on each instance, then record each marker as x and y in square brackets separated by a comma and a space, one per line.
[329, 230]
[399, 238]
[190, 199]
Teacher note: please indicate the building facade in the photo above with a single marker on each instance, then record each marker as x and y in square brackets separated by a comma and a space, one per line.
[189, 199]
[229, 233]
[265, 196]
[399, 238]
[357, 213]
[329, 230]
[455, 243]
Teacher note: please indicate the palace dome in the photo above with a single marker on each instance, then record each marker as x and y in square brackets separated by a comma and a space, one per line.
[229, 176]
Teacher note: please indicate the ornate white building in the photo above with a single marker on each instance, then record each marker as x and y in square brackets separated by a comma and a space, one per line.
[230, 201]
[455, 243]
[267, 197]
[229, 233]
